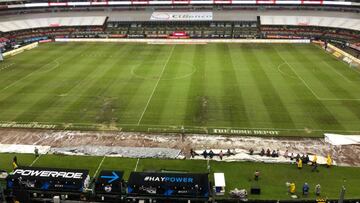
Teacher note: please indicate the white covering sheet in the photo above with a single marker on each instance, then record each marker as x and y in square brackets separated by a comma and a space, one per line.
[28, 149]
[243, 155]
[337, 139]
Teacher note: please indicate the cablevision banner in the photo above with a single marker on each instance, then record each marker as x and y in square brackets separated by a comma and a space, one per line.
[182, 16]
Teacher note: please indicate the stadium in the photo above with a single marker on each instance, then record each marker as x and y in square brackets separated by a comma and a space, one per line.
[174, 101]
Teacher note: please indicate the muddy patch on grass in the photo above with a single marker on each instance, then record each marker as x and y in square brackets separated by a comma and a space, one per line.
[343, 155]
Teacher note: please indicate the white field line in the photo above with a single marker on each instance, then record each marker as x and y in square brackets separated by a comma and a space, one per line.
[208, 166]
[330, 54]
[290, 66]
[37, 158]
[53, 67]
[311, 90]
[283, 73]
[137, 163]
[29, 75]
[332, 99]
[157, 83]
[337, 72]
[341, 74]
[98, 168]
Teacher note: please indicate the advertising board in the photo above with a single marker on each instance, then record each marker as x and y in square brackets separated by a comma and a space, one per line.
[181, 16]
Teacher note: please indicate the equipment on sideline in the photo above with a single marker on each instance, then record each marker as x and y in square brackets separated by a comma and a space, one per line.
[255, 190]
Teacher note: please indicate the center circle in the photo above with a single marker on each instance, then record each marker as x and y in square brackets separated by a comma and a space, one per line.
[181, 71]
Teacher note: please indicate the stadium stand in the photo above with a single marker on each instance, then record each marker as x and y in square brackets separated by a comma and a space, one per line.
[24, 22]
[14, 25]
[331, 22]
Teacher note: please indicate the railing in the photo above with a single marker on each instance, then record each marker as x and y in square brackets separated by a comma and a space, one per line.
[180, 2]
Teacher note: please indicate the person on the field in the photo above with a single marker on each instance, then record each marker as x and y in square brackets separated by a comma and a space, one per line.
[286, 155]
[268, 153]
[292, 188]
[292, 156]
[15, 163]
[36, 152]
[221, 155]
[256, 175]
[262, 153]
[307, 159]
[251, 151]
[273, 154]
[306, 189]
[328, 161]
[317, 190]
[300, 164]
[192, 153]
[314, 168]
[314, 161]
[228, 152]
[297, 157]
[205, 154]
[211, 154]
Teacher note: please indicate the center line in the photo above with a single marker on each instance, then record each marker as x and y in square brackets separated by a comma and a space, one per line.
[162, 72]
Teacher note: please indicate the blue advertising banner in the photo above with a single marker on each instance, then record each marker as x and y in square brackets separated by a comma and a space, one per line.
[189, 185]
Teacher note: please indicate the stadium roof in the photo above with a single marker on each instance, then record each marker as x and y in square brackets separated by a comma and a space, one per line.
[141, 15]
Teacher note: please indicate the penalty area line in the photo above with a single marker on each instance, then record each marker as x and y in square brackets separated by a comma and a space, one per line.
[300, 78]
[30, 74]
[157, 83]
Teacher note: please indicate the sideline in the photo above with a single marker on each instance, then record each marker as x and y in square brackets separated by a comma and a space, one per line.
[101, 163]
[37, 158]
[137, 163]
[186, 41]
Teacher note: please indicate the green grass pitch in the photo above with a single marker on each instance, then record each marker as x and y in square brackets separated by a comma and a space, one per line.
[237, 174]
[294, 89]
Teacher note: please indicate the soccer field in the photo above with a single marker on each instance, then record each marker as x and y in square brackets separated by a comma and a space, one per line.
[287, 89]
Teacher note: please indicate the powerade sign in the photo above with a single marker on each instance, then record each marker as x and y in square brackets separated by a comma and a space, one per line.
[48, 174]
[182, 16]
[48, 179]
[168, 179]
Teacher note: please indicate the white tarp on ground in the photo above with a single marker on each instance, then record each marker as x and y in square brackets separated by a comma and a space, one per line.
[337, 139]
[28, 149]
[131, 152]
[243, 155]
